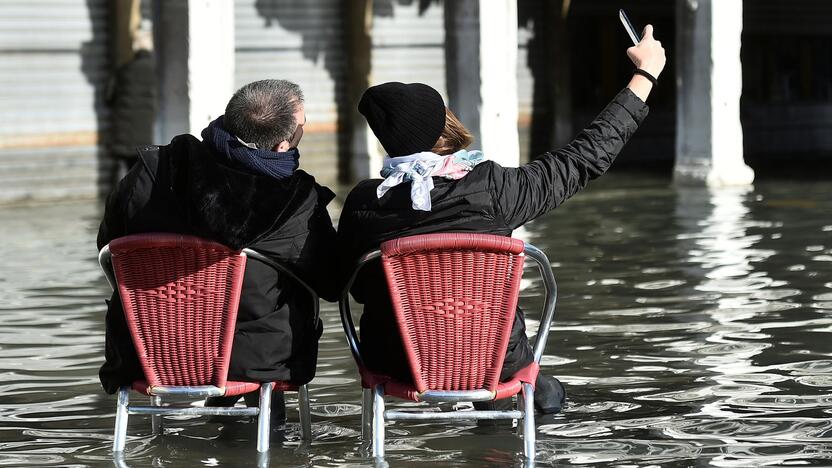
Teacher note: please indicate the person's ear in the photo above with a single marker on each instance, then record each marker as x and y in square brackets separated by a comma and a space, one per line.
[281, 147]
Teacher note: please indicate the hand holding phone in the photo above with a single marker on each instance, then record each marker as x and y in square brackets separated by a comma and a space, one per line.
[647, 55]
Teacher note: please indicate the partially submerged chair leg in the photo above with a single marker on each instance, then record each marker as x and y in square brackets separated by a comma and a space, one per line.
[304, 413]
[367, 414]
[528, 421]
[378, 421]
[519, 405]
[264, 418]
[120, 432]
[156, 419]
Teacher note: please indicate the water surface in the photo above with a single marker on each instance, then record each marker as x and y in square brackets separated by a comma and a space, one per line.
[693, 328]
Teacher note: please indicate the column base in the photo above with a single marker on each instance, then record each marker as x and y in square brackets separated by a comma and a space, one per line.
[719, 176]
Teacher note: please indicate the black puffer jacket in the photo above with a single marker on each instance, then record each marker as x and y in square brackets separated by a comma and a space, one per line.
[490, 199]
[186, 188]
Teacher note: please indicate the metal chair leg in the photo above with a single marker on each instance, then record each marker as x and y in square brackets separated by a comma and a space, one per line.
[264, 425]
[304, 413]
[528, 422]
[367, 414]
[120, 431]
[156, 419]
[378, 422]
[118, 460]
[518, 405]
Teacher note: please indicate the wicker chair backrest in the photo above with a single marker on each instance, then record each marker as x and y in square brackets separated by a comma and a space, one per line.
[180, 296]
[455, 296]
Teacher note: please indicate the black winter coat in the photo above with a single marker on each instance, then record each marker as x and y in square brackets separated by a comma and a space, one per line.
[490, 199]
[186, 188]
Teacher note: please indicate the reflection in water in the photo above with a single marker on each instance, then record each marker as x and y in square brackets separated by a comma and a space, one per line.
[749, 304]
[692, 328]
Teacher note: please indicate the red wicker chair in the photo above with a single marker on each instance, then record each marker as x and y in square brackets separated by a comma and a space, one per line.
[180, 296]
[454, 296]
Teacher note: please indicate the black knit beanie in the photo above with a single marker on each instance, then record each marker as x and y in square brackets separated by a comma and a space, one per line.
[406, 118]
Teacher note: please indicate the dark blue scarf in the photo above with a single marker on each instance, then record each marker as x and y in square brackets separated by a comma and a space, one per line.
[259, 161]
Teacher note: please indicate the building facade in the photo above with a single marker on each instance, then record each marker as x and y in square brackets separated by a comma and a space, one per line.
[70, 107]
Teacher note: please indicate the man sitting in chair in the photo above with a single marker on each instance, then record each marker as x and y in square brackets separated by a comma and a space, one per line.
[240, 186]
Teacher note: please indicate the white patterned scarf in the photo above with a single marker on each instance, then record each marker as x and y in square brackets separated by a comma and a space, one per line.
[420, 168]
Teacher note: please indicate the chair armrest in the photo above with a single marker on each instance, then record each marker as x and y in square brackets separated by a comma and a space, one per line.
[344, 307]
[106, 262]
[551, 287]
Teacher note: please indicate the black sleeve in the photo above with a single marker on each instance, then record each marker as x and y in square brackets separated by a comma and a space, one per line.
[350, 245]
[320, 265]
[346, 247]
[113, 225]
[526, 192]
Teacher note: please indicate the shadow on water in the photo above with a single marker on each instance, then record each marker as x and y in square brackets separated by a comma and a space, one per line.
[692, 329]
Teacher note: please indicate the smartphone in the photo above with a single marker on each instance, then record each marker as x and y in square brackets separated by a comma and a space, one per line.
[629, 27]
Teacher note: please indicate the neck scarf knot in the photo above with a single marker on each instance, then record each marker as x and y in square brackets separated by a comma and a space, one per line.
[259, 161]
[420, 168]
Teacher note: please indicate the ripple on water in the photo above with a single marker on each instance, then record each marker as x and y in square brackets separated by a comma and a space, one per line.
[684, 299]
[774, 429]
[760, 378]
[815, 380]
[654, 358]
[738, 285]
[816, 367]
[553, 361]
[775, 294]
[637, 329]
[632, 312]
[604, 406]
[337, 410]
[593, 427]
[774, 454]
[659, 284]
[781, 403]
[620, 451]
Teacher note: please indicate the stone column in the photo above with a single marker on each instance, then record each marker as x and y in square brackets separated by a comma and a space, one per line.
[709, 145]
[364, 159]
[194, 62]
[481, 73]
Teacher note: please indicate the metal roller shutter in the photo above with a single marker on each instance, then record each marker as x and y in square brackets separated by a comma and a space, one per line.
[300, 41]
[408, 44]
[53, 69]
[799, 17]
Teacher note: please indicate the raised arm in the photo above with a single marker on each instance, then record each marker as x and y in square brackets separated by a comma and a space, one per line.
[526, 192]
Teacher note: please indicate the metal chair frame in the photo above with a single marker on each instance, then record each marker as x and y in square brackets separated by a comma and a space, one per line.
[373, 413]
[157, 411]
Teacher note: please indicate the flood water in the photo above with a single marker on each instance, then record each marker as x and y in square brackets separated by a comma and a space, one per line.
[694, 327]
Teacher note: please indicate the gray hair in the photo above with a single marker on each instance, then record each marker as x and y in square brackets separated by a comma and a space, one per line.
[263, 112]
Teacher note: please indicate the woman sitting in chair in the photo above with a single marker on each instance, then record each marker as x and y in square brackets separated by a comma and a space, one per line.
[432, 184]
